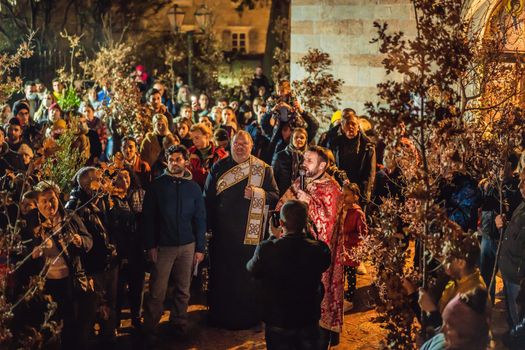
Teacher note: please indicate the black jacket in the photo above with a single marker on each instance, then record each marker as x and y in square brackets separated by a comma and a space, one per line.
[290, 269]
[358, 158]
[174, 213]
[512, 260]
[286, 164]
[93, 213]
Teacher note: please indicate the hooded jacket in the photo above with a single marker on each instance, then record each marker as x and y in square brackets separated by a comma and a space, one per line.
[174, 213]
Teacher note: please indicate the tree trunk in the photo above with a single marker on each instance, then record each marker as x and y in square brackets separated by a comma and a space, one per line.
[279, 8]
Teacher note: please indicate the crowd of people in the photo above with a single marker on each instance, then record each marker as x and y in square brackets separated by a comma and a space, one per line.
[248, 187]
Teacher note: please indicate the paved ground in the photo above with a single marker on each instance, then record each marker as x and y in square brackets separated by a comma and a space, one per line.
[359, 332]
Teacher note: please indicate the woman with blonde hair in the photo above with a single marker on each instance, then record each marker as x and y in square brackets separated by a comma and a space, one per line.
[153, 146]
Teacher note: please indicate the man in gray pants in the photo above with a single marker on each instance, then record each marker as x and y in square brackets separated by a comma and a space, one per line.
[173, 226]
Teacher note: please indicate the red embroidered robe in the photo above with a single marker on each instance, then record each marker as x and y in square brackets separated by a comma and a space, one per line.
[323, 212]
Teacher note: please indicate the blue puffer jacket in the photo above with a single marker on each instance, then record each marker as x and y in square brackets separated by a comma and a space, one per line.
[462, 200]
[174, 213]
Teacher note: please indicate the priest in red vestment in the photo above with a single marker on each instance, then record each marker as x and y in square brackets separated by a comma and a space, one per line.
[324, 198]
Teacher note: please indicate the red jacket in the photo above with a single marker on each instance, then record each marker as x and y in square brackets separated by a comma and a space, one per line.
[354, 227]
[200, 168]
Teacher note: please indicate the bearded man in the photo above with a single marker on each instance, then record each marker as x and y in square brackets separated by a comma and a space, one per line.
[323, 196]
[238, 191]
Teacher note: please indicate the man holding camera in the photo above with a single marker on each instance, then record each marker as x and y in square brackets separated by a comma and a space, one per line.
[290, 266]
[284, 110]
[323, 196]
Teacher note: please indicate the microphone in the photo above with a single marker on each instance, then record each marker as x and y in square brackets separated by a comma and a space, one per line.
[302, 175]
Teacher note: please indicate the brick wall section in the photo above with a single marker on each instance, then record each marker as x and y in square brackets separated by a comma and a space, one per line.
[344, 28]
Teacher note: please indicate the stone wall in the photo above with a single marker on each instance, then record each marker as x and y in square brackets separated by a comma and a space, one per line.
[344, 28]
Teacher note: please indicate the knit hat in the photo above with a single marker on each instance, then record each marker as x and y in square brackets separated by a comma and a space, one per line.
[18, 106]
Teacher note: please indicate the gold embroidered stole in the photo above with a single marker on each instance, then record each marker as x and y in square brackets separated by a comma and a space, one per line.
[253, 169]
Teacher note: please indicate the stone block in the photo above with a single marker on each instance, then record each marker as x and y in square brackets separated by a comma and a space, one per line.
[346, 72]
[338, 43]
[304, 2]
[394, 11]
[302, 27]
[364, 60]
[353, 27]
[338, 12]
[305, 13]
[358, 93]
[377, 75]
[300, 43]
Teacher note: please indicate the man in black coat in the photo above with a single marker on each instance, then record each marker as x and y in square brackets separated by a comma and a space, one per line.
[355, 153]
[290, 269]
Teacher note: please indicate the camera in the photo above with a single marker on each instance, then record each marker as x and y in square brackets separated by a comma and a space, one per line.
[275, 217]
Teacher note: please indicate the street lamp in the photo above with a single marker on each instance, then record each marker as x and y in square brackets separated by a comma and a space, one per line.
[176, 18]
[203, 19]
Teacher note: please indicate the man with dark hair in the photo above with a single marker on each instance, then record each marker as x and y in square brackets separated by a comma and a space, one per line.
[9, 159]
[14, 134]
[259, 79]
[355, 153]
[290, 266]
[323, 196]
[173, 226]
[223, 102]
[30, 131]
[166, 100]
[154, 98]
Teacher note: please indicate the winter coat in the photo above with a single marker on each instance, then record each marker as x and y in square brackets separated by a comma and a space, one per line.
[462, 199]
[512, 260]
[173, 213]
[354, 227]
[9, 160]
[142, 170]
[122, 227]
[150, 149]
[286, 164]
[357, 158]
[201, 167]
[490, 205]
[94, 215]
[260, 141]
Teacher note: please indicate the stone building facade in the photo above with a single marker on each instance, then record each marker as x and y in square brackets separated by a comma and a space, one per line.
[344, 28]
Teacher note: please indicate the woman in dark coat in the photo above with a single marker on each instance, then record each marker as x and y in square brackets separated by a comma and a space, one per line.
[286, 163]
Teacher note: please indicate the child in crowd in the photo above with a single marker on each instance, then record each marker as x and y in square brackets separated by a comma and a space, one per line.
[354, 228]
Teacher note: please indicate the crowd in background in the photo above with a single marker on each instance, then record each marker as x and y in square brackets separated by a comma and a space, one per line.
[100, 246]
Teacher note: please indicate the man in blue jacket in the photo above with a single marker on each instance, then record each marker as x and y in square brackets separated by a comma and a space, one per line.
[174, 225]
